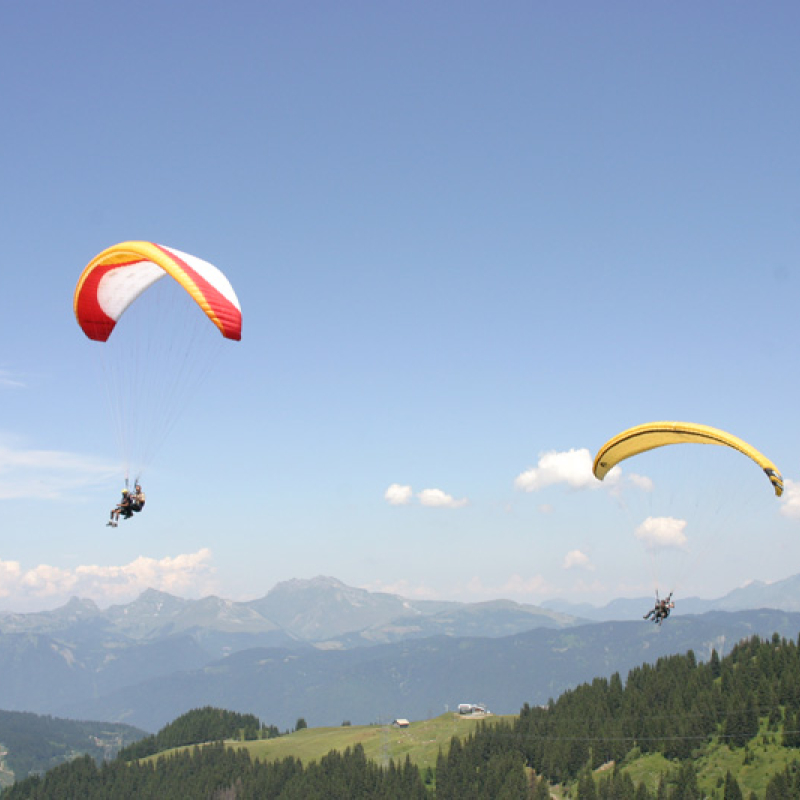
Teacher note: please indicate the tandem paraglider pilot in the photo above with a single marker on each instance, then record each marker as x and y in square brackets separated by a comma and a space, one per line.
[137, 499]
[661, 610]
[129, 504]
[123, 508]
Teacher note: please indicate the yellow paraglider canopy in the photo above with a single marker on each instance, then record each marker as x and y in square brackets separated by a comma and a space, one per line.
[641, 438]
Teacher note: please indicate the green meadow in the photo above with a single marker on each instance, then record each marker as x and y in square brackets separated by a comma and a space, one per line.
[420, 741]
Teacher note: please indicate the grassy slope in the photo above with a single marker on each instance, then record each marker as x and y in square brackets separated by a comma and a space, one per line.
[421, 741]
[766, 757]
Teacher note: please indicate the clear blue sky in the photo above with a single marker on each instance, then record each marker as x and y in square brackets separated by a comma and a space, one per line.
[464, 235]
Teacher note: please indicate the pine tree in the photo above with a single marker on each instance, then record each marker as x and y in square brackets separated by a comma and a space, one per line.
[791, 730]
[586, 786]
[714, 664]
[642, 793]
[686, 787]
[732, 790]
[542, 791]
[778, 787]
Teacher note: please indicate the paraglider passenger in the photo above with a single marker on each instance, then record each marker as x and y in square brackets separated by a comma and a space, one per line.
[661, 610]
[137, 499]
[123, 507]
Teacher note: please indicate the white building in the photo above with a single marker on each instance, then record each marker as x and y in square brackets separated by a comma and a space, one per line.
[472, 708]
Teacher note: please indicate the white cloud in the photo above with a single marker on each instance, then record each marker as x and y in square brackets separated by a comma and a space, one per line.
[436, 498]
[187, 572]
[662, 532]
[790, 502]
[49, 474]
[573, 467]
[47, 581]
[641, 482]
[10, 573]
[575, 558]
[618, 481]
[398, 495]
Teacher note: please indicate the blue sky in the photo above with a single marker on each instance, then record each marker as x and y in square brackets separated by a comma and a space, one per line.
[464, 236]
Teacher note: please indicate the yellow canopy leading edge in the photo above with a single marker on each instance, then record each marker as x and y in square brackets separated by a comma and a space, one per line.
[658, 434]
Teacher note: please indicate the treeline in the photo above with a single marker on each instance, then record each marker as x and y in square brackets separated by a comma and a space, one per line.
[218, 773]
[200, 725]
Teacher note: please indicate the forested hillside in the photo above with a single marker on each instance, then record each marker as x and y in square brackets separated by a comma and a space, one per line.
[727, 728]
[676, 709]
[33, 743]
[200, 725]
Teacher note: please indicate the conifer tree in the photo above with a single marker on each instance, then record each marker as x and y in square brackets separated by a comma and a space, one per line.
[642, 793]
[713, 664]
[542, 791]
[778, 787]
[586, 786]
[686, 787]
[732, 790]
[791, 730]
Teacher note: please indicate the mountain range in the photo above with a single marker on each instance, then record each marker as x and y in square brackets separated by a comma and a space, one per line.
[783, 595]
[322, 612]
[328, 652]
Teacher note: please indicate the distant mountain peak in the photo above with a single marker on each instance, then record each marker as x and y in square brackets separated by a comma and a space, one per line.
[81, 604]
[156, 594]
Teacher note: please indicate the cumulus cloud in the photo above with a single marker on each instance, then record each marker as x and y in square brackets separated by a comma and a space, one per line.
[46, 581]
[662, 532]
[10, 573]
[575, 558]
[49, 474]
[398, 495]
[617, 481]
[790, 502]
[188, 572]
[640, 482]
[436, 498]
[573, 468]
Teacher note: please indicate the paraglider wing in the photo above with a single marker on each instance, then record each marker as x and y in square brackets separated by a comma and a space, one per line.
[157, 349]
[658, 434]
[116, 277]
